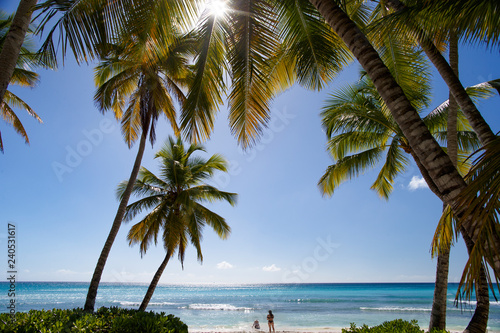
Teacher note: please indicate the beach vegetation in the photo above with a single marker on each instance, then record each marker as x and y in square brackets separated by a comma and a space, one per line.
[105, 320]
[397, 325]
[175, 202]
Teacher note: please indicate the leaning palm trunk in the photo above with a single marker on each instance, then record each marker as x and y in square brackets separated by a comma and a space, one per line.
[450, 77]
[96, 278]
[444, 175]
[479, 321]
[13, 42]
[154, 282]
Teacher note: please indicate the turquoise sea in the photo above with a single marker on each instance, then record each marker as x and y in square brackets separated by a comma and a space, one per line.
[309, 307]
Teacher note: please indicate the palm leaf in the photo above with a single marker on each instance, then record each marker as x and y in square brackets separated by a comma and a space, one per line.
[205, 94]
[395, 164]
[348, 168]
[317, 52]
[254, 42]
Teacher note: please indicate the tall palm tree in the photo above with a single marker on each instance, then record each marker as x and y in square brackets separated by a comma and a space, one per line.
[437, 167]
[138, 82]
[22, 75]
[361, 132]
[175, 204]
[257, 21]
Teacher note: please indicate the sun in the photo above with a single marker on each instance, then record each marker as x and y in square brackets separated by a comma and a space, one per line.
[217, 7]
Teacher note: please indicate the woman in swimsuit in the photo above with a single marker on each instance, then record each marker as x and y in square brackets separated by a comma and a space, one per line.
[270, 321]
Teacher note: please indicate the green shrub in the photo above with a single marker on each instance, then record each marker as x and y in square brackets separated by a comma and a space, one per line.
[105, 320]
[394, 326]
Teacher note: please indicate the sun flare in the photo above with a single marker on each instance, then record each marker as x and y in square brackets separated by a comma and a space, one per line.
[217, 7]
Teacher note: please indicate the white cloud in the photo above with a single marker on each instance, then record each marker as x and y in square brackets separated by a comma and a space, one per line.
[271, 268]
[66, 271]
[224, 265]
[416, 183]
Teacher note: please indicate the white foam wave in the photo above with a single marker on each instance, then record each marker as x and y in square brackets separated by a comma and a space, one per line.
[127, 303]
[219, 307]
[472, 303]
[395, 309]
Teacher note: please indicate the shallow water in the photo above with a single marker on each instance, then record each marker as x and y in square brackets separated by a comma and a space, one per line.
[235, 307]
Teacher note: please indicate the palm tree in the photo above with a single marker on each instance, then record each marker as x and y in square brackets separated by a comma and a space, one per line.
[449, 75]
[138, 82]
[436, 166]
[175, 204]
[13, 42]
[362, 133]
[22, 76]
[84, 26]
[265, 46]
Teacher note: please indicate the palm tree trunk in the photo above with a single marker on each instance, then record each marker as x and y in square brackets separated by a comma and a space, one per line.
[444, 175]
[438, 311]
[101, 262]
[456, 88]
[479, 320]
[428, 151]
[452, 135]
[13, 42]
[154, 282]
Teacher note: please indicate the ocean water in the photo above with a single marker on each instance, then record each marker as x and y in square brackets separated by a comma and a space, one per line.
[309, 307]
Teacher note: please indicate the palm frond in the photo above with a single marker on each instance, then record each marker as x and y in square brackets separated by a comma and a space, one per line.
[253, 44]
[11, 118]
[13, 101]
[205, 94]
[395, 163]
[446, 233]
[24, 77]
[348, 168]
[217, 222]
[317, 52]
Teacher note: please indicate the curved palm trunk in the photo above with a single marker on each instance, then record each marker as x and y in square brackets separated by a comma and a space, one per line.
[438, 311]
[444, 175]
[479, 320]
[13, 42]
[154, 282]
[456, 88]
[101, 262]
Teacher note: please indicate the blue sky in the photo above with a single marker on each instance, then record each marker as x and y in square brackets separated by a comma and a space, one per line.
[283, 230]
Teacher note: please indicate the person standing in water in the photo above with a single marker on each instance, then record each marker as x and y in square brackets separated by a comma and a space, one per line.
[270, 320]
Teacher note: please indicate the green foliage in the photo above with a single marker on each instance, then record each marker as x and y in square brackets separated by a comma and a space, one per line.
[398, 325]
[112, 320]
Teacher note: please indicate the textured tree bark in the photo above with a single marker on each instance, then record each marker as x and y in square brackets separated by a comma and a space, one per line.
[450, 77]
[438, 311]
[438, 165]
[154, 282]
[13, 42]
[479, 321]
[101, 262]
